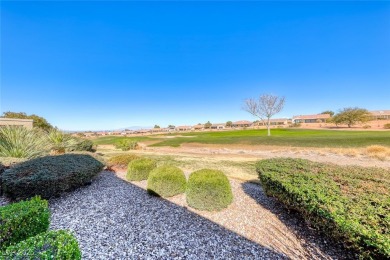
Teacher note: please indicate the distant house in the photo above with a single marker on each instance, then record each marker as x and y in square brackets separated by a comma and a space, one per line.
[319, 118]
[198, 127]
[275, 121]
[28, 123]
[242, 123]
[380, 115]
[183, 128]
[218, 126]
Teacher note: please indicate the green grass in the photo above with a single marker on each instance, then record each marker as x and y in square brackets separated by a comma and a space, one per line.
[115, 139]
[285, 137]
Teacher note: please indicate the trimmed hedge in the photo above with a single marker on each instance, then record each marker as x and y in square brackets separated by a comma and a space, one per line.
[348, 203]
[208, 190]
[21, 220]
[166, 181]
[121, 160]
[49, 176]
[139, 169]
[49, 245]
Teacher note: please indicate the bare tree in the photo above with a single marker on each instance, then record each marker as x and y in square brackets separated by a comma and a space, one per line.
[264, 108]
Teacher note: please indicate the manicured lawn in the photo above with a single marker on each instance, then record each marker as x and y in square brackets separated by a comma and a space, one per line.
[115, 139]
[285, 137]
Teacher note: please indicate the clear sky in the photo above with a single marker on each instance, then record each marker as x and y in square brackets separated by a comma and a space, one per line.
[105, 65]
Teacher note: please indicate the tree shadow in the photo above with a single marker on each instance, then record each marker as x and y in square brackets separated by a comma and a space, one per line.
[135, 224]
[316, 243]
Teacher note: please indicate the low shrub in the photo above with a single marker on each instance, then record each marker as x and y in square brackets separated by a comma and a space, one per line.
[347, 203]
[386, 126]
[126, 145]
[21, 220]
[166, 181]
[49, 176]
[121, 160]
[49, 245]
[366, 126]
[208, 190]
[82, 144]
[139, 169]
[295, 125]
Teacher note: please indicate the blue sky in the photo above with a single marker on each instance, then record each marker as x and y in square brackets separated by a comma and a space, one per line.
[106, 65]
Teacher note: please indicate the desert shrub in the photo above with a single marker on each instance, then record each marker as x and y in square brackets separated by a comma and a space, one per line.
[208, 190]
[366, 126]
[139, 169]
[378, 151]
[348, 203]
[49, 245]
[50, 175]
[166, 181]
[60, 142]
[21, 220]
[81, 144]
[295, 125]
[386, 126]
[126, 145]
[20, 142]
[121, 160]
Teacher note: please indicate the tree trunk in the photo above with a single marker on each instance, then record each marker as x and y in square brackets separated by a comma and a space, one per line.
[268, 127]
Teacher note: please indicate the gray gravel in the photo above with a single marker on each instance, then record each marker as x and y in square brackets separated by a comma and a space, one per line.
[113, 219]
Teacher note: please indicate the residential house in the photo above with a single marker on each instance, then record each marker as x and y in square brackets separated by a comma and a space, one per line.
[218, 126]
[183, 128]
[242, 123]
[319, 118]
[198, 127]
[28, 123]
[380, 115]
[274, 121]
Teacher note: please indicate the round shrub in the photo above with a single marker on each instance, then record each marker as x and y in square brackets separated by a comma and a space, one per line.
[208, 190]
[121, 160]
[49, 176]
[21, 220]
[49, 245]
[166, 181]
[139, 169]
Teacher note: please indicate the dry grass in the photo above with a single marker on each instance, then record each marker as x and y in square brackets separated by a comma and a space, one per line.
[377, 151]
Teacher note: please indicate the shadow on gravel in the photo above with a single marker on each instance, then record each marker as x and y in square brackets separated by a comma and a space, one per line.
[114, 219]
[297, 225]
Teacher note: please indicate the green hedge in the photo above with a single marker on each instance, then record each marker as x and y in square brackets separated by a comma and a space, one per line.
[49, 245]
[21, 220]
[166, 181]
[139, 169]
[121, 160]
[49, 176]
[208, 190]
[348, 203]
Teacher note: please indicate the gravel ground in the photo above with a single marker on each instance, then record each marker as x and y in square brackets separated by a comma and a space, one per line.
[263, 220]
[113, 219]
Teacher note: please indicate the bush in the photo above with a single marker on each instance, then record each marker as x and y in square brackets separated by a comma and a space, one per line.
[348, 203]
[208, 190]
[366, 126]
[295, 125]
[386, 126]
[50, 175]
[49, 245]
[21, 220]
[20, 142]
[121, 160]
[166, 181]
[139, 169]
[82, 145]
[126, 145]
